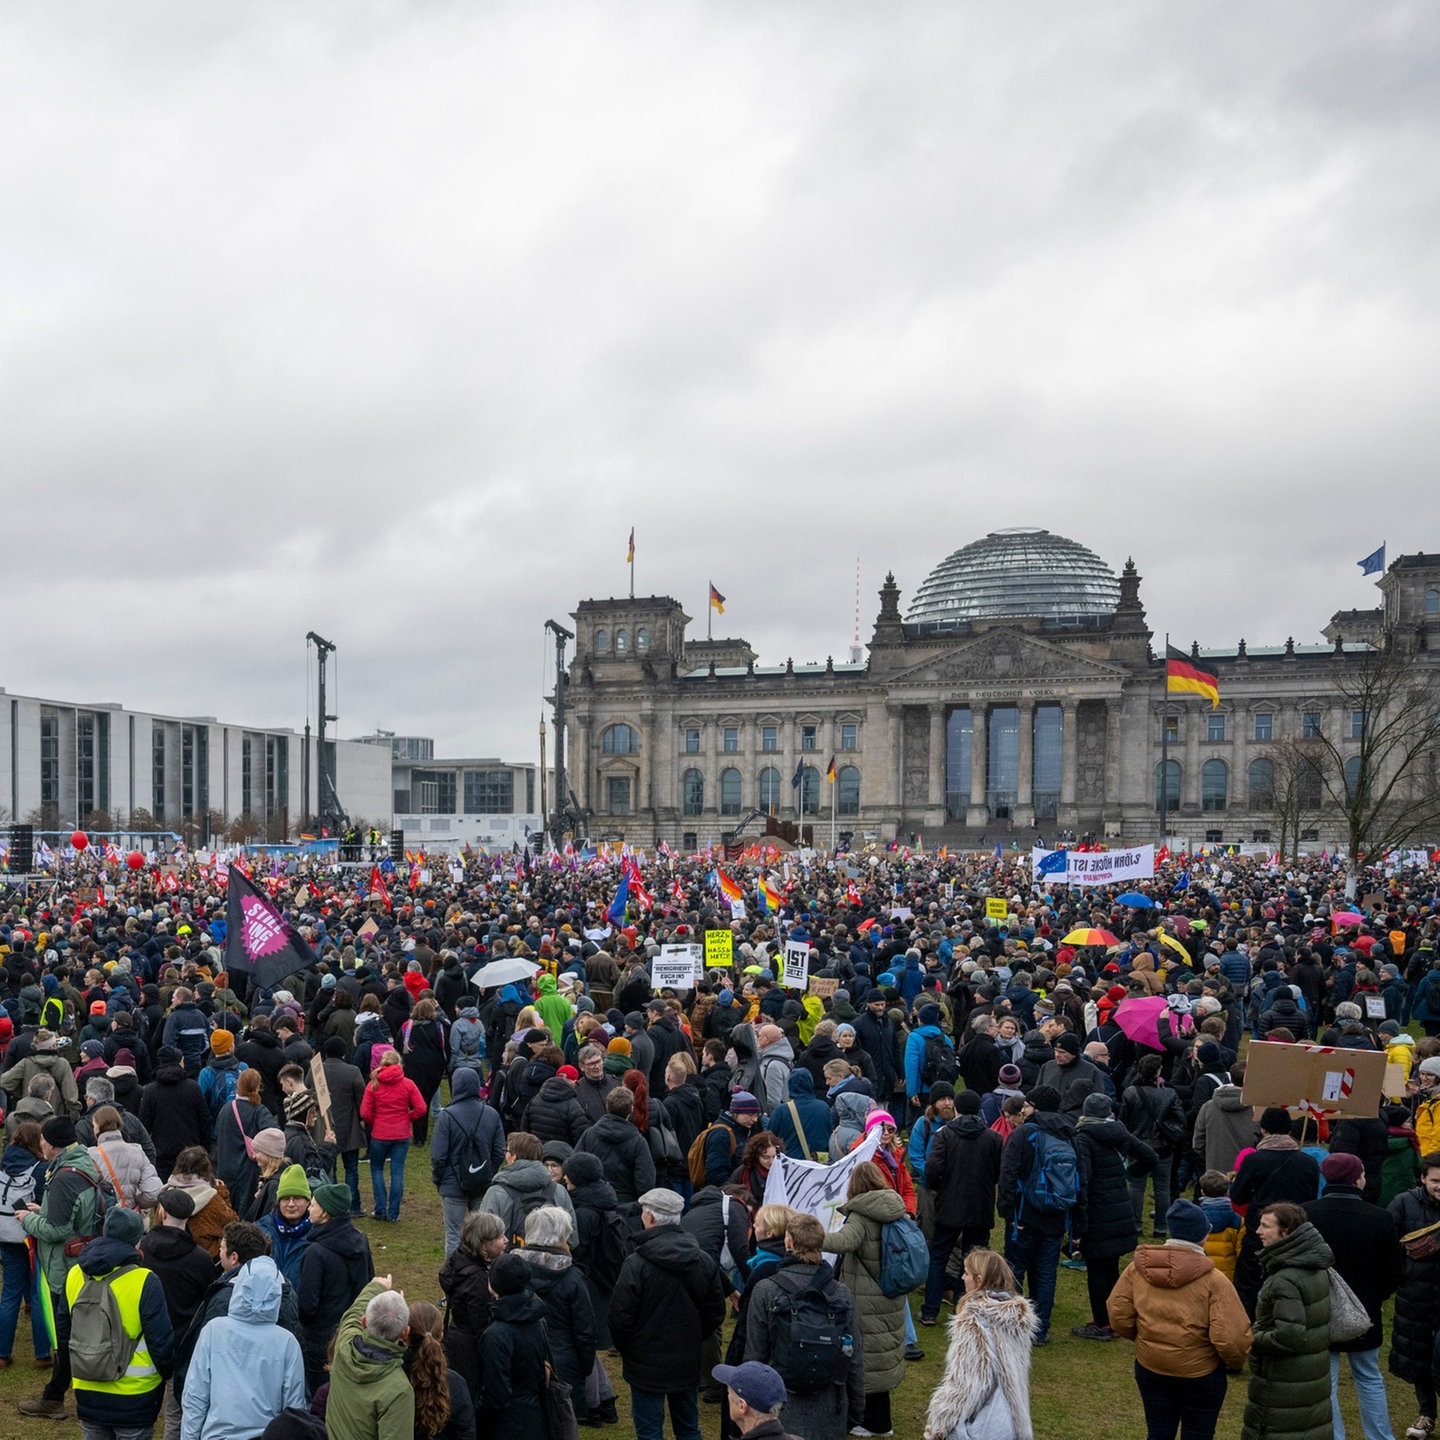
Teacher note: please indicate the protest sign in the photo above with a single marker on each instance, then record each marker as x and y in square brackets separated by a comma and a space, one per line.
[824, 985]
[815, 1189]
[737, 909]
[797, 964]
[1314, 1079]
[997, 909]
[1096, 867]
[367, 931]
[719, 948]
[675, 967]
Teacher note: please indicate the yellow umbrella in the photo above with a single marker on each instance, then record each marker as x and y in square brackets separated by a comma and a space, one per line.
[1175, 945]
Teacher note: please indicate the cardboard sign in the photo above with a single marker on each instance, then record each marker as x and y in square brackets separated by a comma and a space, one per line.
[719, 948]
[1394, 1086]
[1375, 1007]
[320, 1088]
[368, 931]
[797, 965]
[1315, 1079]
[997, 909]
[824, 985]
[675, 967]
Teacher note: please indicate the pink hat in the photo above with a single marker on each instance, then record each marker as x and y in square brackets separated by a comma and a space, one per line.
[878, 1117]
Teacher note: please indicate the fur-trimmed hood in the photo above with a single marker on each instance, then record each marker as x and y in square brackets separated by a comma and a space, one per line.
[988, 1363]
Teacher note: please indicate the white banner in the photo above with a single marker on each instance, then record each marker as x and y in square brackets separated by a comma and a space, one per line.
[1096, 867]
[797, 965]
[737, 909]
[675, 967]
[815, 1189]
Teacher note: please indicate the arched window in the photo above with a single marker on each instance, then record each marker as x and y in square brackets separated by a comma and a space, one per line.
[810, 791]
[602, 642]
[1311, 785]
[1432, 601]
[1352, 776]
[769, 796]
[642, 637]
[847, 797]
[1167, 785]
[620, 740]
[1261, 781]
[692, 792]
[622, 640]
[730, 792]
[1214, 785]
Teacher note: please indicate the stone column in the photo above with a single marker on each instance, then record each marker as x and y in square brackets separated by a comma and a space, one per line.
[1069, 753]
[1239, 796]
[580, 768]
[895, 733]
[1112, 759]
[937, 762]
[1194, 721]
[645, 800]
[1025, 779]
[978, 815]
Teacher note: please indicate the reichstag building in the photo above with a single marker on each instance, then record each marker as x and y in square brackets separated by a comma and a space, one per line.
[1020, 693]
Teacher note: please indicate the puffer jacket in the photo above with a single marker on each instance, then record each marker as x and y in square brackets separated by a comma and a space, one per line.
[128, 1169]
[570, 1318]
[1290, 1353]
[392, 1104]
[555, 1113]
[622, 1150]
[882, 1318]
[1103, 1147]
[1182, 1313]
[1417, 1301]
[962, 1167]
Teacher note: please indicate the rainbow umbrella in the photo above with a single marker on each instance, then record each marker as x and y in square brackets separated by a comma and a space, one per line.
[1090, 936]
[42, 1291]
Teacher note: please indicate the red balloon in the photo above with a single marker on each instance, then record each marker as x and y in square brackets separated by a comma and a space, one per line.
[79, 839]
[135, 860]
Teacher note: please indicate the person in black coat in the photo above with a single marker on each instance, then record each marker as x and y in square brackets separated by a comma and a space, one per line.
[569, 1315]
[336, 1267]
[716, 1079]
[509, 1404]
[465, 1280]
[1104, 1146]
[1417, 1301]
[684, 1102]
[715, 1219]
[981, 1058]
[820, 1051]
[623, 1151]
[592, 1199]
[260, 1050]
[962, 1169]
[668, 1038]
[1368, 1138]
[186, 1271]
[594, 1084]
[556, 1113]
[876, 1034]
[173, 1110]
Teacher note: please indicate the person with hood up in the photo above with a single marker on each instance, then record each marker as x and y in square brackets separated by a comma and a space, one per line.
[622, 1150]
[524, 1185]
[1188, 1326]
[554, 1009]
[333, 1271]
[391, 1107]
[917, 1083]
[776, 1056]
[851, 1108]
[985, 1390]
[962, 1170]
[802, 1123]
[561, 1288]
[370, 1393]
[452, 988]
[246, 1368]
[1224, 1126]
[466, 1117]
[1105, 1148]
[822, 1049]
[467, 1041]
[1289, 1391]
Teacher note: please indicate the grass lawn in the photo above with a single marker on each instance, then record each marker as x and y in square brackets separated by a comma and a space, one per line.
[1078, 1387]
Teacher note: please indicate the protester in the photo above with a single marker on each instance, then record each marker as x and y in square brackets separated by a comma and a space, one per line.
[465, 1281]
[523, 1186]
[391, 1108]
[569, 1315]
[755, 1397]
[288, 1225]
[466, 1152]
[1276, 1170]
[443, 1407]
[510, 1403]
[334, 1269]
[623, 1151]
[1416, 1214]
[370, 1396]
[22, 1176]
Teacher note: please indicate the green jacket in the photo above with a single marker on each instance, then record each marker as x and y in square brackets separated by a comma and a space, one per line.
[1290, 1357]
[370, 1394]
[882, 1318]
[68, 1210]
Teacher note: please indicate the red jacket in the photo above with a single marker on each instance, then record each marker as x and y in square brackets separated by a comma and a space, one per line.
[391, 1104]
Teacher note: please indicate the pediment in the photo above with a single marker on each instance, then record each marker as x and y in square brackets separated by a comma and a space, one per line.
[1001, 657]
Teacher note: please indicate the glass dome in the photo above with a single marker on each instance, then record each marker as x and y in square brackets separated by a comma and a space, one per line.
[1015, 574]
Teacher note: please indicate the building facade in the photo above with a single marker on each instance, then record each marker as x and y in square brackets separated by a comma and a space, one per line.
[1019, 695]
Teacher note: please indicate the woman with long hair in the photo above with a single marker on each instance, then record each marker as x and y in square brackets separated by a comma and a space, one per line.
[985, 1391]
[443, 1408]
[236, 1127]
[753, 1171]
[636, 1084]
[423, 1041]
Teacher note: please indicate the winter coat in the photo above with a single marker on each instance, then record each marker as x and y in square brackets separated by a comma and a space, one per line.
[128, 1171]
[775, 1063]
[625, 1155]
[188, 1031]
[984, 1393]
[980, 1063]
[963, 1169]
[591, 1095]
[1290, 1353]
[1143, 1107]
[706, 1221]
[244, 1361]
[882, 1318]
[685, 1109]
[523, 1186]
[668, 1040]
[512, 1371]
[814, 1119]
[423, 1055]
[569, 1316]
[186, 1272]
[68, 1209]
[824, 1414]
[288, 1243]
[555, 1113]
[851, 1108]
[1015, 1167]
[335, 1268]
[16, 1080]
[1183, 1315]
[1266, 1176]
[668, 1298]
[820, 1051]
[1400, 1169]
[1417, 1301]
[465, 1281]
[1103, 1147]
[174, 1111]
[347, 1091]
[1224, 1126]
[261, 1051]
[232, 1163]
[880, 1040]
[392, 1104]
[466, 1114]
[370, 1393]
[1367, 1252]
[1368, 1138]
[593, 1200]
[915, 1057]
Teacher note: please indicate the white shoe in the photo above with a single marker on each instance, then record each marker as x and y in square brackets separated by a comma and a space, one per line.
[861, 1430]
[1421, 1429]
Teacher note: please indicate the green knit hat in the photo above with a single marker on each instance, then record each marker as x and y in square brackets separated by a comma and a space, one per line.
[334, 1200]
[293, 1183]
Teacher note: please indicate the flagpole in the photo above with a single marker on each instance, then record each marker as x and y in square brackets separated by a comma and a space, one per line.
[709, 611]
[834, 785]
[1165, 740]
[632, 562]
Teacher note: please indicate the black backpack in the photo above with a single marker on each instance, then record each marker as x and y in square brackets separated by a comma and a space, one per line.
[939, 1062]
[611, 1248]
[811, 1345]
[471, 1162]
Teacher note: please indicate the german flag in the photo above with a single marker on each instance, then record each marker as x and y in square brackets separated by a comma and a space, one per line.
[1184, 677]
[717, 600]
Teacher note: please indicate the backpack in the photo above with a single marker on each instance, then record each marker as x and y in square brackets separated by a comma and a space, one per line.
[695, 1156]
[100, 1350]
[224, 1086]
[104, 1199]
[938, 1063]
[16, 1192]
[528, 1204]
[904, 1257]
[1053, 1184]
[1003, 1126]
[611, 1249]
[471, 1163]
[809, 1344]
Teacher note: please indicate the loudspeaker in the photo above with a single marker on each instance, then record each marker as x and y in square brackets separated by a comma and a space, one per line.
[22, 849]
[397, 844]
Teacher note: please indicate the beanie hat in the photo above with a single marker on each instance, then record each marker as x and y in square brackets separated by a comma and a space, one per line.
[929, 1015]
[878, 1117]
[334, 1200]
[941, 1090]
[557, 1150]
[269, 1141]
[177, 1203]
[1185, 1220]
[1068, 1042]
[1045, 1099]
[509, 1274]
[297, 1104]
[1208, 1054]
[618, 1046]
[1342, 1169]
[1097, 1106]
[967, 1102]
[97, 1007]
[1010, 1075]
[294, 1184]
[568, 1072]
[742, 1102]
[583, 1168]
[1275, 1120]
[727, 997]
[334, 1048]
[127, 1226]
[222, 1042]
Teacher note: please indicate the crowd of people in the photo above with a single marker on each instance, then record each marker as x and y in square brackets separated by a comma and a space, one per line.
[184, 1213]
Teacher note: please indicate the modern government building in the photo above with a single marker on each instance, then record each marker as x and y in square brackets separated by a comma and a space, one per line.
[1019, 693]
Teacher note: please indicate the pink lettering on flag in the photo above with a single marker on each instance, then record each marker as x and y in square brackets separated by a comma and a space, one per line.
[263, 932]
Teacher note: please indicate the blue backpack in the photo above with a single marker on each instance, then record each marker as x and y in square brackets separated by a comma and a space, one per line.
[904, 1257]
[1053, 1184]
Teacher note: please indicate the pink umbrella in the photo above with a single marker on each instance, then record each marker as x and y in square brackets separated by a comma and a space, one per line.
[1138, 1017]
[1348, 917]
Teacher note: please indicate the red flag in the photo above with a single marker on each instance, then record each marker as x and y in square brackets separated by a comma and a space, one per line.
[377, 887]
[1162, 854]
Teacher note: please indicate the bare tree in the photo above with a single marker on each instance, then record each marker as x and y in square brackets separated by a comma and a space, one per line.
[1380, 773]
[245, 828]
[142, 822]
[1298, 791]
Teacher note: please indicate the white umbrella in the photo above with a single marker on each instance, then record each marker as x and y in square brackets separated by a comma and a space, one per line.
[503, 972]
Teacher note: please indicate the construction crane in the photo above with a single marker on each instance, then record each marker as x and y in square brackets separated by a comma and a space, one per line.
[330, 814]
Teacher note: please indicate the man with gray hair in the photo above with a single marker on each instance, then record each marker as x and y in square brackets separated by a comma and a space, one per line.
[756, 1395]
[37, 1104]
[370, 1394]
[101, 1091]
[669, 1296]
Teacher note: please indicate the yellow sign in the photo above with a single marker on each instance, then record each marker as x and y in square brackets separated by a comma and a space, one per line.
[719, 948]
[997, 910]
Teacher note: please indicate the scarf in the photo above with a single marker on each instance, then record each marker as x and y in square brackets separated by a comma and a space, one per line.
[1278, 1142]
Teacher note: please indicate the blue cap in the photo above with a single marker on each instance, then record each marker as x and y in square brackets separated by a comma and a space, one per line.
[756, 1384]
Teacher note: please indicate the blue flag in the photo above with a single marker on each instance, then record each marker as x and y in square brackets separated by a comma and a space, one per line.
[798, 776]
[1374, 563]
[998, 851]
[1183, 883]
[1055, 863]
[616, 913]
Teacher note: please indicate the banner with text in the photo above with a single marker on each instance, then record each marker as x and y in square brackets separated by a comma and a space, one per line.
[675, 967]
[1097, 867]
[815, 1189]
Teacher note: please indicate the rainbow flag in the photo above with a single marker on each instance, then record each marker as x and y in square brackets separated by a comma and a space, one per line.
[770, 897]
[728, 888]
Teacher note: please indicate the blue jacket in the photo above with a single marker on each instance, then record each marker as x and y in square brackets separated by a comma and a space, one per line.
[1236, 969]
[915, 1056]
[912, 980]
[287, 1250]
[814, 1115]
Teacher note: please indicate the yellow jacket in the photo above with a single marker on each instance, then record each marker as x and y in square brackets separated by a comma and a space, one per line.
[146, 1320]
[1427, 1124]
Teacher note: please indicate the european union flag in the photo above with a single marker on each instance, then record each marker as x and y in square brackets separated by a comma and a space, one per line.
[1374, 563]
[1055, 863]
[798, 776]
[616, 913]
[1183, 883]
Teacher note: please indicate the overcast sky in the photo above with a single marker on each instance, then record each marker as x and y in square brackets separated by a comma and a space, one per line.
[390, 320]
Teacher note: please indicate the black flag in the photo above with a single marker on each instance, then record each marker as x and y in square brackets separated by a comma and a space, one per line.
[259, 941]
